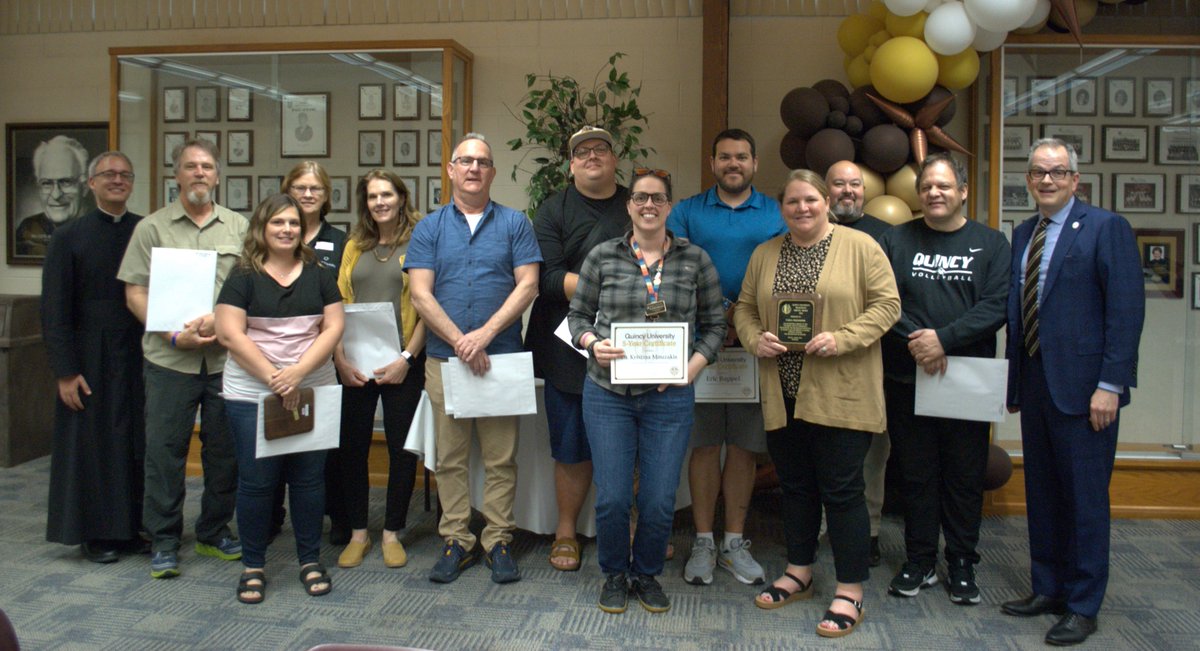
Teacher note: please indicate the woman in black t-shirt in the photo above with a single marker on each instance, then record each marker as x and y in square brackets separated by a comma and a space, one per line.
[280, 315]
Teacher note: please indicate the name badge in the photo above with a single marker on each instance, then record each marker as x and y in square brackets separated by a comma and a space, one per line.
[323, 246]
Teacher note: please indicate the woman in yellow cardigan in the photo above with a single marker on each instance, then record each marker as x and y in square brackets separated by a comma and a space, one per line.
[372, 271]
[821, 405]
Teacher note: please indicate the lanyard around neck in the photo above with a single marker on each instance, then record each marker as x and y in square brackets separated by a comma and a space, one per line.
[651, 287]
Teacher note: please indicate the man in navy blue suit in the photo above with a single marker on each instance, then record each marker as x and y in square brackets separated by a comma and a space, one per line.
[1075, 310]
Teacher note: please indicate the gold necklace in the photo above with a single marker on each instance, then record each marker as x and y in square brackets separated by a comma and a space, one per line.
[391, 251]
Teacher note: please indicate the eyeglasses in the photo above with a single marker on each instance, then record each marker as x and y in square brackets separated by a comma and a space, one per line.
[640, 198]
[1056, 174]
[110, 175]
[468, 161]
[69, 184]
[583, 153]
[302, 190]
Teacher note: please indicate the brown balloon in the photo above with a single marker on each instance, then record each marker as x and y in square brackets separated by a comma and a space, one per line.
[923, 126]
[1065, 10]
[920, 145]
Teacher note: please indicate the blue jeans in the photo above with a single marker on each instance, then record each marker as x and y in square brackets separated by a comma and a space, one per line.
[257, 479]
[649, 431]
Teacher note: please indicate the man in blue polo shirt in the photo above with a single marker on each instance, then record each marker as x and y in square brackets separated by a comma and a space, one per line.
[728, 221]
[473, 270]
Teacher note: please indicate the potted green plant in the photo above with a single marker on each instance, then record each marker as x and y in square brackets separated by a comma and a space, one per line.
[556, 106]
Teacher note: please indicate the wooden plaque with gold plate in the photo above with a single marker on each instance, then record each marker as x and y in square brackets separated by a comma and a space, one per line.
[795, 318]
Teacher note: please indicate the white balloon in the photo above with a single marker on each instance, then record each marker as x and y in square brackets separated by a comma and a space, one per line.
[1041, 11]
[933, 4]
[999, 15]
[986, 41]
[948, 30]
[904, 7]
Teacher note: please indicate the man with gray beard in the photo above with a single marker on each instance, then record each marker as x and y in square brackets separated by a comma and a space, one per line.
[183, 368]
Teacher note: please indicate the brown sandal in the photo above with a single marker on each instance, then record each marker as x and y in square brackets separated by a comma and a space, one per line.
[780, 597]
[565, 548]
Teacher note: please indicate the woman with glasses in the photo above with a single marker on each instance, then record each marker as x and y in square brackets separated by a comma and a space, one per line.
[645, 275]
[279, 314]
[823, 399]
[372, 271]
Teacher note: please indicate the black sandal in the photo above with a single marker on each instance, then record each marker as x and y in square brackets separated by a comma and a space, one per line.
[781, 597]
[246, 588]
[310, 582]
[845, 623]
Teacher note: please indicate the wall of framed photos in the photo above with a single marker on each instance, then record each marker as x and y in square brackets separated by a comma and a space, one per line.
[1132, 110]
[350, 106]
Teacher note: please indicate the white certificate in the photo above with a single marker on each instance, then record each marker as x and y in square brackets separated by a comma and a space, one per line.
[182, 287]
[371, 339]
[655, 353]
[327, 425]
[973, 388]
[505, 390]
[733, 378]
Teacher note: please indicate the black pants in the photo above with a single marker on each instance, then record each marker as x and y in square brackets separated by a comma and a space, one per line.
[942, 464]
[358, 419]
[823, 466]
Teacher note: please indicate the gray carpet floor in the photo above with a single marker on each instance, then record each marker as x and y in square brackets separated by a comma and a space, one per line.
[57, 600]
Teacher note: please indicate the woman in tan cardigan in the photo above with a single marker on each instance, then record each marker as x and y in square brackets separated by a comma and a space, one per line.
[822, 404]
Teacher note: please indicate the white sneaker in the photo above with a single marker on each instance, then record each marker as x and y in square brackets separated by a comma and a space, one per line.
[699, 568]
[741, 564]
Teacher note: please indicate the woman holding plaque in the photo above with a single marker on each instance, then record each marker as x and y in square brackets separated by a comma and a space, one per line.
[372, 271]
[822, 392]
[646, 276]
[279, 314]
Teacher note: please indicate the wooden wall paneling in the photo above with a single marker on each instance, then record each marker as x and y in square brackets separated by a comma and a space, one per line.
[1139, 489]
[500, 9]
[55, 16]
[714, 109]
[339, 12]
[82, 16]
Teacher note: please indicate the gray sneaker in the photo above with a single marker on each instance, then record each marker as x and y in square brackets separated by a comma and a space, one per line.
[741, 564]
[699, 568]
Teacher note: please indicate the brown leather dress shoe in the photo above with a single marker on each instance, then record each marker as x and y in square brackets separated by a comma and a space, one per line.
[1072, 629]
[1034, 604]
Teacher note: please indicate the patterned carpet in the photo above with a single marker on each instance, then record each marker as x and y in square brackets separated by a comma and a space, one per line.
[57, 600]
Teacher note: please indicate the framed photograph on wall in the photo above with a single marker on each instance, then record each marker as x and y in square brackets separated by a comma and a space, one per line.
[175, 105]
[434, 147]
[172, 140]
[1042, 98]
[1081, 98]
[40, 201]
[413, 185]
[237, 193]
[406, 148]
[208, 104]
[1191, 96]
[170, 190]
[1079, 136]
[239, 106]
[370, 101]
[1009, 99]
[433, 193]
[1090, 188]
[1189, 197]
[1014, 193]
[1162, 261]
[370, 148]
[1159, 96]
[1017, 138]
[1195, 244]
[1119, 97]
[304, 125]
[268, 185]
[1178, 146]
[339, 194]
[241, 148]
[1138, 193]
[212, 136]
[405, 102]
[1126, 144]
[1195, 291]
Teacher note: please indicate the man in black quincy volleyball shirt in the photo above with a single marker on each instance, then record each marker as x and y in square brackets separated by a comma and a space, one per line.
[952, 273]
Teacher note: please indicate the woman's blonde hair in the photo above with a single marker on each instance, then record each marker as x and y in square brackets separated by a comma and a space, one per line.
[365, 232]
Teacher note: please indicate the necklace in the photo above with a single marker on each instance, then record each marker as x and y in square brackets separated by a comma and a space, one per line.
[391, 251]
[280, 277]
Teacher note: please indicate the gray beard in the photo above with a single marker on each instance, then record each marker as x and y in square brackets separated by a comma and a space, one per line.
[846, 214]
[198, 200]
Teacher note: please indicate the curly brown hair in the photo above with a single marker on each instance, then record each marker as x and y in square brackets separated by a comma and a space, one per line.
[254, 248]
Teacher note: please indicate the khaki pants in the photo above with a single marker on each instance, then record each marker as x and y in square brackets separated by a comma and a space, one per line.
[498, 450]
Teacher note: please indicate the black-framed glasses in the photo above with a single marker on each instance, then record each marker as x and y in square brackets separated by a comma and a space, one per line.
[111, 175]
[640, 198]
[1056, 174]
[468, 161]
[583, 153]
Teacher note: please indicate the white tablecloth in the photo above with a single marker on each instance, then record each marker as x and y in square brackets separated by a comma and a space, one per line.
[535, 507]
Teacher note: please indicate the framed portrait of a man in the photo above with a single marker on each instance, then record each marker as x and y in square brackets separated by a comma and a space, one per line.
[370, 148]
[237, 193]
[241, 108]
[405, 104]
[406, 148]
[304, 125]
[175, 105]
[241, 148]
[46, 184]
[370, 101]
[172, 140]
[268, 185]
[208, 104]
[339, 194]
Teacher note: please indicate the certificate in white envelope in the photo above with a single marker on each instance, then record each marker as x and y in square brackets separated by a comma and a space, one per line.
[182, 287]
[505, 390]
[327, 426]
[371, 339]
[973, 388]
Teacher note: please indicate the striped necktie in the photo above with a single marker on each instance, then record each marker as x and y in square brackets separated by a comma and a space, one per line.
[1029, 294]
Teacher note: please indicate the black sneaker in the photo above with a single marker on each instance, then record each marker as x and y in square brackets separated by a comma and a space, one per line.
[650, 594]
[911, 579]
[504, 566]
[453, 561]
[963, 590]
[614, 595]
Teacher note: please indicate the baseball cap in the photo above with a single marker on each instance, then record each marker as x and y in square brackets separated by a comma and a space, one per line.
[588, 133]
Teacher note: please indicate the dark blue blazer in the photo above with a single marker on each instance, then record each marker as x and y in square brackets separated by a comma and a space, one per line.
[1093, 306]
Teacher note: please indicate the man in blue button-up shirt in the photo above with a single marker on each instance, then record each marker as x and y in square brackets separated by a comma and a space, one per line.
[473, 270]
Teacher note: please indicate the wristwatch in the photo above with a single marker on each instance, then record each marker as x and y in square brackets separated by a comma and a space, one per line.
[406, 355]
[591, 346]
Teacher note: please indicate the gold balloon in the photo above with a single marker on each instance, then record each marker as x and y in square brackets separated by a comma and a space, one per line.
[904, 69]
[854, 31]
[873, 183]
[858, 71]
[879, 38]
[958, 71]
[902, 184]
[913, 25]
[892, 210]
[877, 10]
